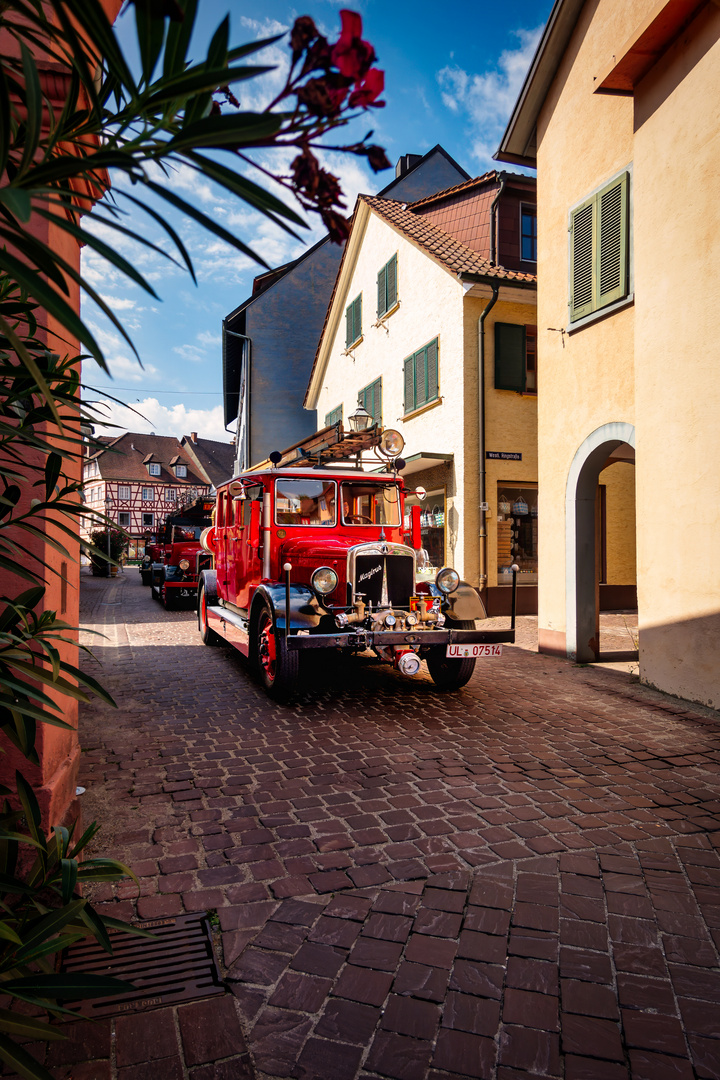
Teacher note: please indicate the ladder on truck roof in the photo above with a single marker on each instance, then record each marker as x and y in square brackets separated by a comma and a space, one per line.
[331, 444]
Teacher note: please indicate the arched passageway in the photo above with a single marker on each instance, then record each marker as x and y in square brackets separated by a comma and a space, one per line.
[614, 441]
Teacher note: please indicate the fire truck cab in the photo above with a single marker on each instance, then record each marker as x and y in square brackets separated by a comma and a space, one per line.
[177, 558]
[310, 552]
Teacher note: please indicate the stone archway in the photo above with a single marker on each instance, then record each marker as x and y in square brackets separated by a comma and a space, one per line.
[580, 533]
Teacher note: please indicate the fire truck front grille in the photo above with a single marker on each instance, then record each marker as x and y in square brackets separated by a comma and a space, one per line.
[375, 573]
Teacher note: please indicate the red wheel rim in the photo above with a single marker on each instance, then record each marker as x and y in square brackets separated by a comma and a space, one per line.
[266, 650]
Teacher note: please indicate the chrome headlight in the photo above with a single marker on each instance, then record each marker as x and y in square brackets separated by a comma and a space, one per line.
[324, 580]
[447, 580]
[184, 564]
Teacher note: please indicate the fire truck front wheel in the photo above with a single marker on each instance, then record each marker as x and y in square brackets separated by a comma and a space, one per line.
[277, 667]
[209, 637]
[450, 674]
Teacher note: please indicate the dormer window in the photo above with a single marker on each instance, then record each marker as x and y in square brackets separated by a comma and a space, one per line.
[181, 472]
[154, 468]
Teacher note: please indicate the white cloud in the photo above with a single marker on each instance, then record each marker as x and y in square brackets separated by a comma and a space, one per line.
[206, 337]
[148, 415]
[488, 98]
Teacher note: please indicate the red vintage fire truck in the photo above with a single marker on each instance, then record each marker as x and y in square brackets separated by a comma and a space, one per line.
[310, 552]
[177, 557]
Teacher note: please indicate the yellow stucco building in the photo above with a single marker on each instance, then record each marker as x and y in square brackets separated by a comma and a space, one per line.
[432, 327]
[620, 113]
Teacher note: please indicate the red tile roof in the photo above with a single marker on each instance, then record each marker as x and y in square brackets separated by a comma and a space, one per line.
[455, 256]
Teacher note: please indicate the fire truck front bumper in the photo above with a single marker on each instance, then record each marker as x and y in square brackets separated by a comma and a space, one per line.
[369, 639]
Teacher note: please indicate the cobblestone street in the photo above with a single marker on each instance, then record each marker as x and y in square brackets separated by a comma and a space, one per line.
[519, 880]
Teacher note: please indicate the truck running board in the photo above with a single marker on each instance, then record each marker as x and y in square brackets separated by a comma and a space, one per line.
[230, 626]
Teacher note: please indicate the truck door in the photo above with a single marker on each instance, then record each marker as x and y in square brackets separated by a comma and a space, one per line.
[248, 559]
[221, 544]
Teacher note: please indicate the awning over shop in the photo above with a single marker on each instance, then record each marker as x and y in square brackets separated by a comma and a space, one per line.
[426, 459]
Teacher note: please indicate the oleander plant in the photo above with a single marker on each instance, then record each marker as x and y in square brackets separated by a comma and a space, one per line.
[61, 156]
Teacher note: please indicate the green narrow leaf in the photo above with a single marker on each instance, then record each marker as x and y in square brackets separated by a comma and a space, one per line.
[69, 878]
[178, 39]
[48, 927]
[33, 108]
[53, 465]
[21, 1061]
[26, 1027]
[97, 927]
[206, 222]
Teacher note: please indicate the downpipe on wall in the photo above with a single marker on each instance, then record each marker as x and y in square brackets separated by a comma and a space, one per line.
[481, 436]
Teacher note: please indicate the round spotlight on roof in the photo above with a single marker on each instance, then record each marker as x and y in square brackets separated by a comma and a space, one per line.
[391, 443]
[275, 457]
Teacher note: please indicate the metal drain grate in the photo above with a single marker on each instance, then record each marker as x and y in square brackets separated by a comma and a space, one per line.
[177, 965]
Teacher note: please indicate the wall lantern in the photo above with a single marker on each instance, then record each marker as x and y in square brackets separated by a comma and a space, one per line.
[360, 420]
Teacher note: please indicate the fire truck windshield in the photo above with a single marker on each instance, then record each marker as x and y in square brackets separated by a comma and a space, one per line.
[305, 502]
[370, 504]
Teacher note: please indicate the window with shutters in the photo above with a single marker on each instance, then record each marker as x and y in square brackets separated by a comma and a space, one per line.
[353, 321]
[421, 377]
[334, 416]
[516, 358]
[387, 288]
[370, 397]
[599, 248]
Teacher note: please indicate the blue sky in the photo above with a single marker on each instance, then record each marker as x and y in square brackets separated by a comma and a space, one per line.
[451, 77]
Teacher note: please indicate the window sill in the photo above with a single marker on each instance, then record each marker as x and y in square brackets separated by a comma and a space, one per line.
[601, 313]
[423, 409]
[382, 318]
[353, 345]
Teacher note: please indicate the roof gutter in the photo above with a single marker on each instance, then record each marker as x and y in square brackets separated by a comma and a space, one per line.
[481, 436]
[493, 219]
[492, 280]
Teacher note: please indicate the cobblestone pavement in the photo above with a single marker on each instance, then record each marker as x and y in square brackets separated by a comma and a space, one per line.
[518, 880]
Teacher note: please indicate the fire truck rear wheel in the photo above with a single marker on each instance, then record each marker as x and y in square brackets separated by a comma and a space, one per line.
[450, 674]
[209, 637]
[277, 667]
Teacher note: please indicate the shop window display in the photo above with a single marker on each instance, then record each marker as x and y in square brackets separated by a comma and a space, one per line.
[432, 530]
[517, 533]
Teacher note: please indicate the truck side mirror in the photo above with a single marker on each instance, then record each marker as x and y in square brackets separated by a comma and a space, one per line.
[415, 534]
[255, 511]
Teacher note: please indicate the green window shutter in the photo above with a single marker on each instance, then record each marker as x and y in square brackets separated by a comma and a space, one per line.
[382, 292]
[334, 416]
[612, 228]
[392, 283]
[409, 384]
[353, 321]
[509, 357]
[582, 257]
[376, 410]
[420, 377]
[357, 318]
[432, 370]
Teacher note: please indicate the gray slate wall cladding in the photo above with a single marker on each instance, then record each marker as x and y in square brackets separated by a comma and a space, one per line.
[285, 323]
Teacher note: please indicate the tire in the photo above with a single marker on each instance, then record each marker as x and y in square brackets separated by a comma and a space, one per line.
[451, 674]
[277, 667]
[168, 599]
[209, 637]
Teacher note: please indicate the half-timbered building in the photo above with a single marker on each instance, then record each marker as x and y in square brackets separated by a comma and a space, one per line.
[137, 480]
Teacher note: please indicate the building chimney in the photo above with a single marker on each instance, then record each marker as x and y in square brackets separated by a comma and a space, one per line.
[193, 436]
[405, 163]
